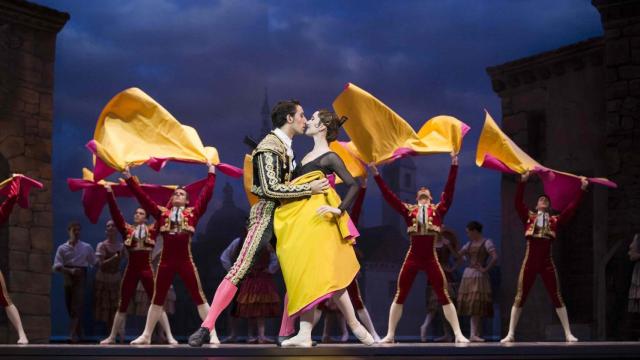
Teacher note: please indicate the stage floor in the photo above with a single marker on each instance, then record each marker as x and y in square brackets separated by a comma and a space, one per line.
[548, 350]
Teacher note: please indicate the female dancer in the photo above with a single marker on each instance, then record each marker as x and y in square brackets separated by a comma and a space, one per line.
[315, 244]
[474, 295]
[424, 221]
[106, 289]
[139, 240]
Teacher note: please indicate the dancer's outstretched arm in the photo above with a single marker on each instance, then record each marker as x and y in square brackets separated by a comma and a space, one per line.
[9, 202]
[392, 199]
[116, 215]
[205, 194]
[570, 210]
[446, 199]
[145, 200]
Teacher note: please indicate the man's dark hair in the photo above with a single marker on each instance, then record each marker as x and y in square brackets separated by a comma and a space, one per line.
[474, 225]
[281, 110]
[72, 224]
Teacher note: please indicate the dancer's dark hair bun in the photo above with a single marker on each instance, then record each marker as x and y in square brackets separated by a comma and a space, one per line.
[332, 121]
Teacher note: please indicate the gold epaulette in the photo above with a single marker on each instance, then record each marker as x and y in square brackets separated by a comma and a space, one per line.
[271, 143]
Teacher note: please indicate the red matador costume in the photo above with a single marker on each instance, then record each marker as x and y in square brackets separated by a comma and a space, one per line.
[139, 241]
[177, 226]
[540, 231]
[5, 211]
[423, 224]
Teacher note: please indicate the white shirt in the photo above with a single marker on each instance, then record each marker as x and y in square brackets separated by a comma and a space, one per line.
[287, 142]
[542, 218]
[422, 214]
[79, 255]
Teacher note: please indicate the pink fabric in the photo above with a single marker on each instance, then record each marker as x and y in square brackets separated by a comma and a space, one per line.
[560, 187]
[491, 162]
[94, 195]
[102, 170]
[222, 298]
[465, 129]
[26, 184]
[400, 153]
[353, 230]
[313, 304]
[287, 324]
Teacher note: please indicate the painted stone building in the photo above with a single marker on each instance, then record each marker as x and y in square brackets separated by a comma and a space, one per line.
[27, 54]
[576, 109]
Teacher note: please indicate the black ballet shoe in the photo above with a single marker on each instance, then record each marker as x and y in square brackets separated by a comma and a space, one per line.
[199, 337]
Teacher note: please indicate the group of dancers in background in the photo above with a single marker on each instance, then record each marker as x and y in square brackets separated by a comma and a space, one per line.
[316, 234]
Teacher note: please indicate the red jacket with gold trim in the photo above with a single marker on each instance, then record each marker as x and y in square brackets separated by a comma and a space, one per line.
[128, 231]
[410, 212]
[190, 215]
[550, 227]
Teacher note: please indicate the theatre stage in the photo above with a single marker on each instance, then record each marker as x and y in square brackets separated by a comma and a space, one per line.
[532, 350]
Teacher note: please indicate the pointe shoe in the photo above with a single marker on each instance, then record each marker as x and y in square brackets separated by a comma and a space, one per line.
[108, 341]
[423, 333]
[23, 341]
[475, 338]
[460, 339]
[199, 337]
[363, 335]
[252, 340]
[142, 340]
[213, 338]
[297, 341]
[570, 338]
[389, 339]
[508, 339]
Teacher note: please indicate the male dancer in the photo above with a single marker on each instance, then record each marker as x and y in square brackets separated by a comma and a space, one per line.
[5, 300]
[424, 221]
[72, 260]
[540, 231]
[139, 239]
[273, 164]
[177, 225]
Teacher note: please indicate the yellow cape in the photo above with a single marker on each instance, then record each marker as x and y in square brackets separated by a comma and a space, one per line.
[495, 143]
[497, 151]
[133, 128]
[380, 135]
[315, 253]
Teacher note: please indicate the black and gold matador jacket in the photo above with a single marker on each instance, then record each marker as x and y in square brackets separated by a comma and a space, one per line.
[272, 172]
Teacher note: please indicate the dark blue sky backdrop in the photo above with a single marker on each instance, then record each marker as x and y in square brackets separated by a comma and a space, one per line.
[209, 62]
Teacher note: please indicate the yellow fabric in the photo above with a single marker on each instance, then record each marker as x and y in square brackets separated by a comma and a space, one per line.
[495, 143]
[133, 128]
[315, 253]
[247, 179]
[351, 158]
[378, 132]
